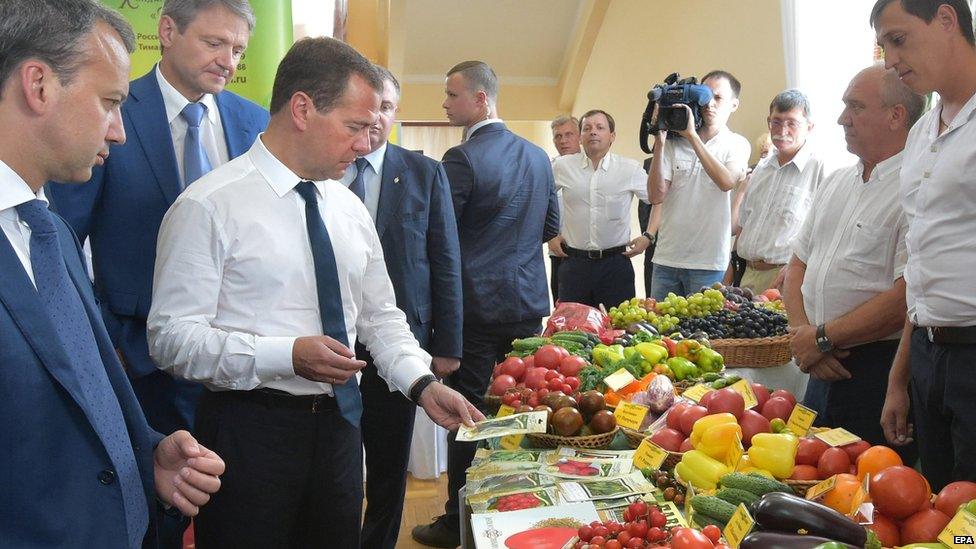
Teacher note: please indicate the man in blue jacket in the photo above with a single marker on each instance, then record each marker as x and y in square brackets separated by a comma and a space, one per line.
[505, 203]
[181, 123]
[79, 466]
[408, 196]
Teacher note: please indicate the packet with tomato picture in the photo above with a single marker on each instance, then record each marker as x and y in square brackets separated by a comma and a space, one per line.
[609, 488]
[576, 316]
[500, 503]
[508, 483]
[498, 427]
[533, 528]
[587, 468]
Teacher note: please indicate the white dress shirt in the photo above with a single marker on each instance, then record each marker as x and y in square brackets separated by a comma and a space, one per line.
[597, 200]
[210, 126]
[474, 128]
[234, 282]
[776, 204]
[696, 220]
[14, 191]
[853, 242]
[372, 179]
[938, 190]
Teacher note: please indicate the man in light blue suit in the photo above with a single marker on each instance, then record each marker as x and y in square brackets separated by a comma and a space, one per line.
[181, 123]
[79, 466]
[409, 198]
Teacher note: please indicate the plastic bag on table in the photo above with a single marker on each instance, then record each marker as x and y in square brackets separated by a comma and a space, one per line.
[577, 316]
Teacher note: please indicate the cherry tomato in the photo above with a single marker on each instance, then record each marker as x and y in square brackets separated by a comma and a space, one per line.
[613, 544]
[614, 527]
[638, 528]
[600, 531]
[712, 532]
[655, 534]
[689, 538]
[598, 541]
[635, 543]
[658, 519]
[638, 509]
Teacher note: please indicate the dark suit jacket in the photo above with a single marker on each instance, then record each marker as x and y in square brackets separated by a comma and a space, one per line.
[505, 202]
[121, 208]
[50, 455]
[417, 228]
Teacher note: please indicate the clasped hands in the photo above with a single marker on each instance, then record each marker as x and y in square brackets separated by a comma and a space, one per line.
[810, 360]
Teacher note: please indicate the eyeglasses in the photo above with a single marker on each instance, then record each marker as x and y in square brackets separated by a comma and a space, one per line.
[789, 124]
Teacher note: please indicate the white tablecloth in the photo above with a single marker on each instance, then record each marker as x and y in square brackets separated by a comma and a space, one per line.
[428, 449]
[786, 376]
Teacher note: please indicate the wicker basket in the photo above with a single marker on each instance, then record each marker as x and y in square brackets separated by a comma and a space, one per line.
[755, 353]
[493, 403]
[634, 437]
[591, 442]
[800, 487]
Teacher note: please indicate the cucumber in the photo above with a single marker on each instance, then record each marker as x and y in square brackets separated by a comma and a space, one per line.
[529, 343]
[719, 383]
[756, 484]
[702, 520]
[718, 509]
[735, 496]
[566, 336]
[729, 380]
[711, 376]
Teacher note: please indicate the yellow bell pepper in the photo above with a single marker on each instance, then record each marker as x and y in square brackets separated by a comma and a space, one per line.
[774, 452]
[699, 469]
[719, 440]
[745, 466]
[687, 348]
[651, 352]
[707, 422]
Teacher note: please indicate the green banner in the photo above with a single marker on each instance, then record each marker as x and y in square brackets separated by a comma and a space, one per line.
[272, 37]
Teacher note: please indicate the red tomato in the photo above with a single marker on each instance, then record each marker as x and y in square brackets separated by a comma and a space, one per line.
[501, 384]
[548, 357]
[573, 383]
[712, 533]
[886, 530]
[623, 537]
[783, 393]
[613, 544]
[674, 414]
[638, 528]
[635, 543]
[668, 438]
[898, 492]
[658, 519]
[689, 538]
[598, 541]
[655, 533]
[614, 527]
[923, 526]
[553, 374]
[706, 398]
[752, 423]
[805, 472]
[638, 509]
[777, 407]
[513, 366]
[954, 495]
[555, 384]
[529, 362]
[855, 449]
[685, 446]
[833, 461]
[809, 451]
[536, 378]
[600, 531]
[690, 416]
[726, 400]
[762, 394]
[571, 365]
[497, 370]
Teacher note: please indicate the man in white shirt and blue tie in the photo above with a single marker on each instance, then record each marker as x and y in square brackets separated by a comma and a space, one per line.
[266, 274]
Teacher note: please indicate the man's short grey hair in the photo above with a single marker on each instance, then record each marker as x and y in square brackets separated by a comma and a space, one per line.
[479, 77]
[53, 31]
[386, 75]
[565, 120]
[183, 12]
[788, 100]
[895, 92]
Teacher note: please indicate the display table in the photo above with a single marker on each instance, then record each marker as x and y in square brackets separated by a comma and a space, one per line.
[786, 376]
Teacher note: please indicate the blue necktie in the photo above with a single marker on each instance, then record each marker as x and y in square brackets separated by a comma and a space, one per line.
[195, 161]
[74, 331]
[330, 299]
[358, 185]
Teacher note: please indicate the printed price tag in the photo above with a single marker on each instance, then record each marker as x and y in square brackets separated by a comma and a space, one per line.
[511, 442]
[649, 455]
[801, 420]
[838, 437]
[619, 379]
[745, 389]
[961, 530]
[505, 410]
[817, 491]
[630, 415]
[738, 527]
[696, 392]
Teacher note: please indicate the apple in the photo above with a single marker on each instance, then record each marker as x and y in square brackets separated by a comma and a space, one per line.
[726, 400]
[777, 407]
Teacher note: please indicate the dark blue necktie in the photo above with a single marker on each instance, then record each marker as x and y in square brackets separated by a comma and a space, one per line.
[330, 298]
[195, 161]
[74, 331]
[358, 185]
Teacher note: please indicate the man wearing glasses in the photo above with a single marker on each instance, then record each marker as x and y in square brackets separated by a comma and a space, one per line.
[780, 192]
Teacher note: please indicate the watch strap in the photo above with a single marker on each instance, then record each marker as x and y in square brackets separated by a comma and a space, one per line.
[823, 342]
[418, 387]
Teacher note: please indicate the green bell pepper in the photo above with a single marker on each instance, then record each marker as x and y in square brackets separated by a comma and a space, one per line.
[682, 368]
[709, 360]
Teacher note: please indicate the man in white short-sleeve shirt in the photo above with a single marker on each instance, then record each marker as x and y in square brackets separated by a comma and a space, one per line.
[780, 192]
[932, 47]
[692, 177]
[598, 189]
[844, 290]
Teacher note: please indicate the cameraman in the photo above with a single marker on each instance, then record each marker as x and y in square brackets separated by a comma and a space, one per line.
[692, 178]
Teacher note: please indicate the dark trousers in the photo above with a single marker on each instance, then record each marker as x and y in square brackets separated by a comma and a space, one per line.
[943, 387]
[484, 346]
[293, 478]
[387, 426]
[609, 281]
[855, 404]
[554, 263]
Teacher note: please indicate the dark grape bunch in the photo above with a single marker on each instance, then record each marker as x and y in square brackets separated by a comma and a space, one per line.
[749, 322]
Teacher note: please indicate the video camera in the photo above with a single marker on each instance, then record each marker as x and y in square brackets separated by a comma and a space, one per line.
[670, 96]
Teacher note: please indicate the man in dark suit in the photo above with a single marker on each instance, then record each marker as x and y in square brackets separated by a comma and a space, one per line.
[505, 203]
[409, 199]
[80, 466]
[181, 122]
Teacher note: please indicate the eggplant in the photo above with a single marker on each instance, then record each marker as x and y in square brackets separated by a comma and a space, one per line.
[783, 540]
[783, 512]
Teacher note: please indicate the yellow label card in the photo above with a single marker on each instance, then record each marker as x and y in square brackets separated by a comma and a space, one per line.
[745, 389]
[961, 530]
[738, 527]
[801, 420]
[649, 455]
[838, 437]
[817, 491]
[505, 410]
[696, 392]
[619, 379]
[630, 415]
[511, 442]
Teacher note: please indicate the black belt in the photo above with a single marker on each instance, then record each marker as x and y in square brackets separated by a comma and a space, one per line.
[593, 254]
[273, 398]
[950, 335]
